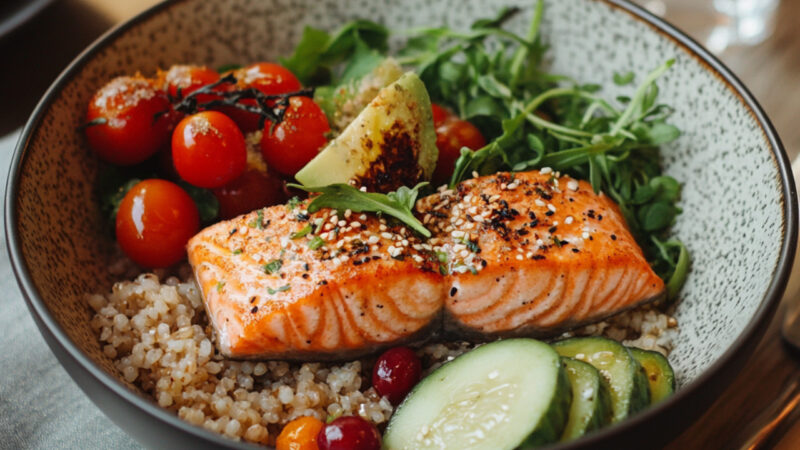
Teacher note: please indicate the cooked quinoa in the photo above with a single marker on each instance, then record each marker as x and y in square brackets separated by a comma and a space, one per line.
[156, 332]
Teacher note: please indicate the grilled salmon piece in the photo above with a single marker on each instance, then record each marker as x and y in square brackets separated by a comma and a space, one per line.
[280, 283]
[533, 254]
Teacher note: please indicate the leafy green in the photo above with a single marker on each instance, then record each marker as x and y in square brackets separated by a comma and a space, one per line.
[273, 266]
[361, 44]
[206, 201]
[398, 204]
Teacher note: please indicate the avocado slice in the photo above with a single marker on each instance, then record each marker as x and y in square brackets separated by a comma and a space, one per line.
[391, 143]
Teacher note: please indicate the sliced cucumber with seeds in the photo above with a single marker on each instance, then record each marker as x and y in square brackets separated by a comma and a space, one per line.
[508, 394]
[660, 375]
[630, 392]
[591, 399]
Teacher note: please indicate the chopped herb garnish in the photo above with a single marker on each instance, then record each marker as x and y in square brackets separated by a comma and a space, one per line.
[260, 219]
[302, 232]
[273, 266]
[238, 251]
[472, 269]
[315, 243]
[220, 285]
[293, 203]
[283, 288]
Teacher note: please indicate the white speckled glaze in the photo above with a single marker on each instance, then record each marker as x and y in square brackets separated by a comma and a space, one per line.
[733, 202]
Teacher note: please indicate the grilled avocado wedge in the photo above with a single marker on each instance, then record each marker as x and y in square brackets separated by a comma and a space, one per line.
[508, 394]
[391, 143]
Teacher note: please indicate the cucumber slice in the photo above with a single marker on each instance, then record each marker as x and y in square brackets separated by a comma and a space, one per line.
[508, 394]
[626, 377]
[660, 375]
[591, 400]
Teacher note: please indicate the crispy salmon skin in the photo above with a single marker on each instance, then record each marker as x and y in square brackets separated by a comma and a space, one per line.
[534, 254]
[282, 283]
[526, 254]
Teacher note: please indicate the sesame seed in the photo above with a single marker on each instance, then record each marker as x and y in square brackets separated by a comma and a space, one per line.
[464, 253]
[551, 207]
[334, 219]
[417, 258]
[494, 198]
[347, 213]
[529, 255]
[475, 174]
[545, 170]
[459, 247]
[520, 257]
[363, 189]
[539, 242]
[404, 242]
[386, 235]
[572, 185]
[340, 244]
[539, 202]
[328, 227]
[383, 227]
[585, 235]
[355, 224]
[363, 217]
[457, 233]
[342, 223]
[503, 187]
[555, 223]
[372, 239]
[569, 220]
[336, 261]
[417, 247]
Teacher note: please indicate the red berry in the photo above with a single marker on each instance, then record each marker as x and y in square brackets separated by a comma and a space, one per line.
[349, 433]
[395, 373]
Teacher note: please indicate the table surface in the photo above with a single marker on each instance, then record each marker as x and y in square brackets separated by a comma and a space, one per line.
[56, 414]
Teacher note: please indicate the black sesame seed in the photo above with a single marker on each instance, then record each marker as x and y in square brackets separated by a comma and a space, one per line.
[575, 250]
[453, 291]
[552, 229]
[549, 213]
[254, 310]
[613, 237]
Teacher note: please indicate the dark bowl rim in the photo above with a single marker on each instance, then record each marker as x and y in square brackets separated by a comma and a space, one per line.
[682, 397]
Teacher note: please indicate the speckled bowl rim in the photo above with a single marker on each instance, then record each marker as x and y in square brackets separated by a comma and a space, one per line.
[688, 402]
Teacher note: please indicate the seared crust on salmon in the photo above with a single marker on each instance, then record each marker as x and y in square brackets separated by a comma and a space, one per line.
[547, 253]
[526, 254]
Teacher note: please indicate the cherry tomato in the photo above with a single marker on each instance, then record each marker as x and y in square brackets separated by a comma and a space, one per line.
[155, 220]
[189, 79]
[451, 136]
[296, 140]
[349, 433]
[269, 78]
[440, 115]
[252, 190]
[300, 434]
[208, 149]
[124, 128]
[395, 373]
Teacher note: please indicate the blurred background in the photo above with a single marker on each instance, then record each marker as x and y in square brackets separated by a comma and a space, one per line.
[758, 39]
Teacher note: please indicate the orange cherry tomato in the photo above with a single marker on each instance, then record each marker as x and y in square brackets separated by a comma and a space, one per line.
[128, 121]
[208, 149]
[295, 141]
[155, 220]
[300, 434]
[451, 136]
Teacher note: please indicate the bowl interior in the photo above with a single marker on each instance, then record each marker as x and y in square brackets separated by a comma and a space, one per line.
[732, 199]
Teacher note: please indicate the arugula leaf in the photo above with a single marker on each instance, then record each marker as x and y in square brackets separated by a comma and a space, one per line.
[398, 204]
[206, 201]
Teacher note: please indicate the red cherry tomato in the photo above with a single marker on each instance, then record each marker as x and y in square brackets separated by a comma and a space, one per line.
[208, 149]
[252, 190]
[450, 137]
[189, 79]
[440, 115]
[296, 140]
[395, 373]
[349, 433]
[269, 78]
[124, 128]
[155, 220]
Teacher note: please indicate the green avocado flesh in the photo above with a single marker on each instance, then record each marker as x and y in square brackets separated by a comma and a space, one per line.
[391, 143]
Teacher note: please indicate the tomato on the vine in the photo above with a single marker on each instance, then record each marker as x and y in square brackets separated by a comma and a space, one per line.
[208, 149]
[155, 220]
[189, 79]
[128, 120]
[451, 136]
[289, 145]
[270, 79]
[252, 190]
[440, 114]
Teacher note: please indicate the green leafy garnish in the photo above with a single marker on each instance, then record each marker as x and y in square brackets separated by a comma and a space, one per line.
[238, 251]
[206, 201]
[315, 243]
[283, 288]
[302, 232]
[293, 203]
[273, 266]
[398, 204]
[220, 285]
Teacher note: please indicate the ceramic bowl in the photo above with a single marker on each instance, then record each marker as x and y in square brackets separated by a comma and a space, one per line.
[739, 211]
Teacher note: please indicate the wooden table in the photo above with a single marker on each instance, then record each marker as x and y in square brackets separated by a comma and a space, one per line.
[771, 70]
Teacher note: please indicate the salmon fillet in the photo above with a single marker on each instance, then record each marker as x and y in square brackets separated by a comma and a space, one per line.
[534, 254]
[530, 254]
[275, 287]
